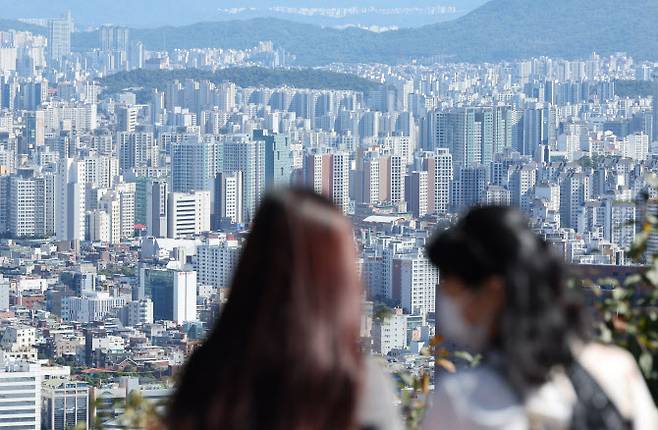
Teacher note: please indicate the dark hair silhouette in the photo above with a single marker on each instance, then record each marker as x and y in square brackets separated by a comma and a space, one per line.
[285, 351]
[540, 316]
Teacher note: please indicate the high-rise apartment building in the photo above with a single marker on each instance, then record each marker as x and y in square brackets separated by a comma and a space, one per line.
[329, 174]
[194, 164]
[414, 280]
[70, 200]
[248, 156]
[59, 37]
[439, 167]
[416, 188]
[188, 214]
[229, 199]
[216, 261]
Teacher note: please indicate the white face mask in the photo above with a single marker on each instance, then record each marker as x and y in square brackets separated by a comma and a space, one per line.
[455, 329]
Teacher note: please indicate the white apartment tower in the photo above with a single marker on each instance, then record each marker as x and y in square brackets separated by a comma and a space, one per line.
[70, 200]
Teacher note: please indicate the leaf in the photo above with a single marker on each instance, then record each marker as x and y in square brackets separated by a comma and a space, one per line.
[446, 364]
[425, 386]
[652, 276]
[651, 180]
[646, 363]
[436, 340]
[406, 379]
[605, 335]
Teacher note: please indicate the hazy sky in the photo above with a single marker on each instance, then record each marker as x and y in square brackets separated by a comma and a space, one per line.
[147, 13]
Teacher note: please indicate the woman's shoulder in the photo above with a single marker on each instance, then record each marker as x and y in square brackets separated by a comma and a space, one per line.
[618, 374]
[378, 406]
[479, 385]
[598, 355]
[477, 398]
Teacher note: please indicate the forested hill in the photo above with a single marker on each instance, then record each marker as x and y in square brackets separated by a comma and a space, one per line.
[147, 80]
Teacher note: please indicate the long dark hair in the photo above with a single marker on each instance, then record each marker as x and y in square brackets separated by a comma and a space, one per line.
[540, 315]
[285, 351]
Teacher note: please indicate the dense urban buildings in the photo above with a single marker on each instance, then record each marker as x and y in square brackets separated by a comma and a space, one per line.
[123, 211]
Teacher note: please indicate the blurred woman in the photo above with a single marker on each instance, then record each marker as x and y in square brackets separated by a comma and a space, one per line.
[502, 294]
[285, 352]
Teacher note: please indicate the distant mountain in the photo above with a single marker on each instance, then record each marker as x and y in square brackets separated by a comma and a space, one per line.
[151, 13]
[498, 30]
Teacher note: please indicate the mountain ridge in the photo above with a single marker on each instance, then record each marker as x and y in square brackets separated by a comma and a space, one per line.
[498, 30]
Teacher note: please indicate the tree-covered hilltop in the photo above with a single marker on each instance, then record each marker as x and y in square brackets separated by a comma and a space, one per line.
[624, 88]
[143, 81]
[10, 24]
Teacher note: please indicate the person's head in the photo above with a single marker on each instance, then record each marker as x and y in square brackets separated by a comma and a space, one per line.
[502, 288]
[285, 351]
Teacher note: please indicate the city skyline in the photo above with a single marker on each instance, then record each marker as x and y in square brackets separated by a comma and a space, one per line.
[130, 174]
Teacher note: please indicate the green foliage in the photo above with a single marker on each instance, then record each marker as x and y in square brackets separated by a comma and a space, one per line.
[137, 413]
[415, 388]
[143, 81]
[381, 311]
[629, 312]
[633, 89]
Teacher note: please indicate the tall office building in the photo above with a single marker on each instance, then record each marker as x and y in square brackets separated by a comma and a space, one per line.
[65, 405]
[20, 395]
[59, 37]
[188, 214]
[173, 293]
